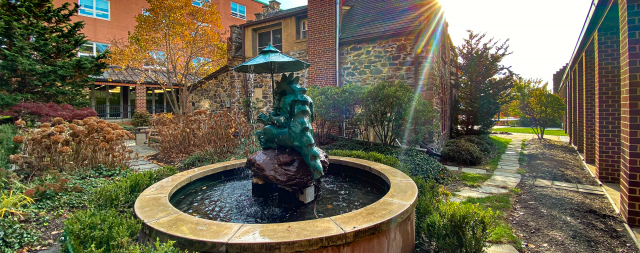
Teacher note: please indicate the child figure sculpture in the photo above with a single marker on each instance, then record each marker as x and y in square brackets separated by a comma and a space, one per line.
[289, 123]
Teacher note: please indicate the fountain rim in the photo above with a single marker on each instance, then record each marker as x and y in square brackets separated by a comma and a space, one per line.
[161, 218]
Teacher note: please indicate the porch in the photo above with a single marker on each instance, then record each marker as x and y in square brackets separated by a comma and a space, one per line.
[120, 101]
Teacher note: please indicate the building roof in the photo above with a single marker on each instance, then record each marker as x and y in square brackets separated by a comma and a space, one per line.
[369, 18]
[278, 15]
[116, 74]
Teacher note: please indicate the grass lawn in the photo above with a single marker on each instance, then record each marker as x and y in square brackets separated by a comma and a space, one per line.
[528, 130]
[501, 144]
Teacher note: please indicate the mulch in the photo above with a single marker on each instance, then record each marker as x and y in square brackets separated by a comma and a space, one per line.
[555, 220]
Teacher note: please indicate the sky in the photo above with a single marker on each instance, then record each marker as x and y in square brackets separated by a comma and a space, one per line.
[542, 33]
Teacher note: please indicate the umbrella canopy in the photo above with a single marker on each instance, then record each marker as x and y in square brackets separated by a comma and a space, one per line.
[271, 61]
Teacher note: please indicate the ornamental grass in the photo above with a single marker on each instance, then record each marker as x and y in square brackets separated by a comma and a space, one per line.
[62, 146]
[219, 135]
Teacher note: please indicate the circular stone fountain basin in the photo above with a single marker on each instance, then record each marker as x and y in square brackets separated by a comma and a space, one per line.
[377, 217]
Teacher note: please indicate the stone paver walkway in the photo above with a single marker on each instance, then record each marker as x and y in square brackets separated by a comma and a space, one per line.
[139, 163]
[569, 186]
[504, 178]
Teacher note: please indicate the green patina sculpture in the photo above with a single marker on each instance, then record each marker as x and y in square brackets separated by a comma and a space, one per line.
[289, 123]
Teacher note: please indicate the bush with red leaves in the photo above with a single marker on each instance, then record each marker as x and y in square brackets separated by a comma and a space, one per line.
[46, 112]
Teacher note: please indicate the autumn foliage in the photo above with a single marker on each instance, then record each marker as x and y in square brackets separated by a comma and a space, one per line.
[218, 135]
[62, 146]
[177, 43]
[48, 111]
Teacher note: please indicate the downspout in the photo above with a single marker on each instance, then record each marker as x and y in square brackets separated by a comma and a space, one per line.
[338, 42]
[344, 125]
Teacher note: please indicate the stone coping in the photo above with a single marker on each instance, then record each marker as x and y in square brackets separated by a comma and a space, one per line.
[161, 219]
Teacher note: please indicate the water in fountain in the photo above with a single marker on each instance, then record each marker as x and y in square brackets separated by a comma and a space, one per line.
[227, 197]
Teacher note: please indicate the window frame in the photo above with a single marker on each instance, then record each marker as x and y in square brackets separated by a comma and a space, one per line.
[94, 47]
[237, 13]
[270, 31]
[80, 8]
[306, 28]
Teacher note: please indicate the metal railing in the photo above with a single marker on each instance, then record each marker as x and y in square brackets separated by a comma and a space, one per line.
[114, 111]
[159, 109]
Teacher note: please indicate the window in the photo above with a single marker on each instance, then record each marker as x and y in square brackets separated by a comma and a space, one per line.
[157, 62]
[199, 61]
[238, 11]
[303, 29]
[145, 12]
[197, 2]
[92, 49]
[274, 37]
[94, 8]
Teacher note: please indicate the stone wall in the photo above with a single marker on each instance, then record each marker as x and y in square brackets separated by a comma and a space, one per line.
[396, 60]
[372, 62]
[228, 89]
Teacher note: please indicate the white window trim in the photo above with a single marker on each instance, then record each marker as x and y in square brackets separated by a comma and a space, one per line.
[94, 11]
[238, 14]
[305, 30]
[95, 49]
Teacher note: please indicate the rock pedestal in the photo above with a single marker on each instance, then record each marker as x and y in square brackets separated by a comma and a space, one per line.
[285, 169]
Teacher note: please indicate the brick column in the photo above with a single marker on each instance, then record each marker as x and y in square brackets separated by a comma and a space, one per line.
[569, 103]
[322, 42]
[630, 109]
[574, 106]
[608, 104]
[589, 104]
[141, 97]
[580, 104]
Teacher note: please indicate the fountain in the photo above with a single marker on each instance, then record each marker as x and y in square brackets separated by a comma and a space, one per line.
[288, 197]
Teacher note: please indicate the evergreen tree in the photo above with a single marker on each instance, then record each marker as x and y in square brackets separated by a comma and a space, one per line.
[39, 54]
[484, 84]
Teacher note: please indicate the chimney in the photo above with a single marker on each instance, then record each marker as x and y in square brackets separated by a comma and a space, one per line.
[275, 5]
[258, 16]
[322, 43]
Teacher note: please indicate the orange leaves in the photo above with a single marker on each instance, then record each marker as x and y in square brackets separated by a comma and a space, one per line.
[190, 39]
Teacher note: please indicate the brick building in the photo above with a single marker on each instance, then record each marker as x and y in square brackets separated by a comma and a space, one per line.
[379, 40]
[601, 89]
[115, 92]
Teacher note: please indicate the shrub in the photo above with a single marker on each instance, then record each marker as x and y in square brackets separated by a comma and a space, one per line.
[13, 236]
[83, 144]
[141, 118]
[122, 194]
[218, 135]
[13, 203]
[103, 230]
[392, 110]
[33, 112]
[157, 247]
[7, 145]
[461, 152]
[371, 156]
[349, 144]
[456, 227]
[419, 164]
[483, 142]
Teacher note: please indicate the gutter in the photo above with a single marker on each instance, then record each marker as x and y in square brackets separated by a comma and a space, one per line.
[589, 22]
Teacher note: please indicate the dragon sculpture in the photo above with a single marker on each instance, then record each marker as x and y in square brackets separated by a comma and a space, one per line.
[289, 123]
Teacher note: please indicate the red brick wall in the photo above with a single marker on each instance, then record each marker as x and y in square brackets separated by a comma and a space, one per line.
[322, 42]
[574, 106]
[589, 103]
[608, 105]
[141, 98]
[580, 107]
[630, 109]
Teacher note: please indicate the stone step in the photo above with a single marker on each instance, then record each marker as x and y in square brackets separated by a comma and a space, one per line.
[466, 193]
[474, 171]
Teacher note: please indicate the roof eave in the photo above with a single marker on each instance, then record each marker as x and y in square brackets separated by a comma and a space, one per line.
[265, 20]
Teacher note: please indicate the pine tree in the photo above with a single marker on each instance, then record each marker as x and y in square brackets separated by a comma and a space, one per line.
[484, 85]
[39, 54]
